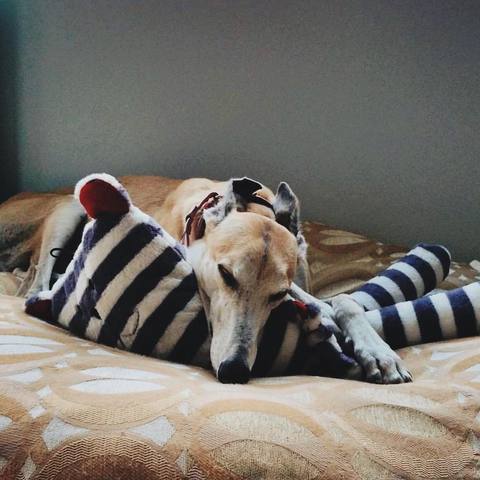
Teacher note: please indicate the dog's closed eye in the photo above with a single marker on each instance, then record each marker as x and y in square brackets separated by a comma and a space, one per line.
[227, 277]
[275, 297]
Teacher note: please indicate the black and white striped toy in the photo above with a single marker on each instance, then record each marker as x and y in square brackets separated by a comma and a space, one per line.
[129, 286]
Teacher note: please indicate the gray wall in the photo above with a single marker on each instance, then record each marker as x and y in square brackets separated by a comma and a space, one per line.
[370, 109]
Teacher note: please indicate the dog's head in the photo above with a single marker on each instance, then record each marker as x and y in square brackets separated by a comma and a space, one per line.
[245, 264]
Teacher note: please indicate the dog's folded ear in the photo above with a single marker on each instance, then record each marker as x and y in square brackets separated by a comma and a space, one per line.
[237, 195]
[244, 188]
[287, 208]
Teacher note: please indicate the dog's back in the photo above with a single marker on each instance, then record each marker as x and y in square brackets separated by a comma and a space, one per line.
[31, 224]
[22, 218]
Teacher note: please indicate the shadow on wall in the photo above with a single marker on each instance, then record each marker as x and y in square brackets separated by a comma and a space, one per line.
[9, 175]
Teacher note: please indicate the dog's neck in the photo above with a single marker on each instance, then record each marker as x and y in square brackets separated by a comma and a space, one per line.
[195, 223]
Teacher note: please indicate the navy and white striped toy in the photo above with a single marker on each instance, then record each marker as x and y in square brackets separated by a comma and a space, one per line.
[408, 317]
[130, 286]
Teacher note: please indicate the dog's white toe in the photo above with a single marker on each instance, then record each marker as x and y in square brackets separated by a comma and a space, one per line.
[382, 366]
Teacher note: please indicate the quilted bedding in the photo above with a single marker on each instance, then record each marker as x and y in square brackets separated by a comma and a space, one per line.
[73, 409]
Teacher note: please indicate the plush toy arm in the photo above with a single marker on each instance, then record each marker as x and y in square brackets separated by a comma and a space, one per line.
[289, 347]
[40, 306]
[413, 276]
[441, 316]
[320, 313]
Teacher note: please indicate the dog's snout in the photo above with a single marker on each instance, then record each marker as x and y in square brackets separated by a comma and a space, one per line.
[233, 370]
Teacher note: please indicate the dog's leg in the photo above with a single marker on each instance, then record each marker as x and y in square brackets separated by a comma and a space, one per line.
[58, 228]
[380, 362]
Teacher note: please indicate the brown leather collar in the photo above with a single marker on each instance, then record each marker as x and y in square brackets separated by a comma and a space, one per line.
[195, 223]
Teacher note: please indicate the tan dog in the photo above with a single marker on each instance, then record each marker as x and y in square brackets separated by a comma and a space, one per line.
[245, 247]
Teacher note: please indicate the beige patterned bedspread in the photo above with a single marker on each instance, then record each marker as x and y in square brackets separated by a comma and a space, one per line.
[71, 409]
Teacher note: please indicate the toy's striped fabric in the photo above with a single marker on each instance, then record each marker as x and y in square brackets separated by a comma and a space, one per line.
[128, 285]
[416, 274]
[441, 316]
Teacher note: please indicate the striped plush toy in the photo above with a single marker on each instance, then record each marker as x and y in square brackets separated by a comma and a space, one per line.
[130, 286]
[408, 317]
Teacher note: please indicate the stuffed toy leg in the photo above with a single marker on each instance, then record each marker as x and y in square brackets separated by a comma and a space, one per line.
[407, 319]
[412, 277]
[441, 316]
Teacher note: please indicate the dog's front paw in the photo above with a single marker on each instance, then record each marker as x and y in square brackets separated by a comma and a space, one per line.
[381, 364]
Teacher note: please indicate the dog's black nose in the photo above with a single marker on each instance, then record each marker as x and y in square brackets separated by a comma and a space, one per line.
[233, 370]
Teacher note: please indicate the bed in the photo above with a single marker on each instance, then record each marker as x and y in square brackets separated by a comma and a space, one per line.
[72, 409]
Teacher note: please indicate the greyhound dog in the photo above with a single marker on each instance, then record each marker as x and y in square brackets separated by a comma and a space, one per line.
[245, 246]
